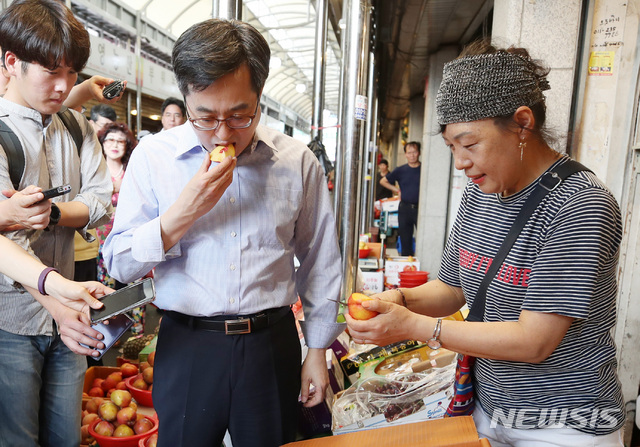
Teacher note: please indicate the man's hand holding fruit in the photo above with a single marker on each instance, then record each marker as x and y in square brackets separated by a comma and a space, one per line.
[197, 198]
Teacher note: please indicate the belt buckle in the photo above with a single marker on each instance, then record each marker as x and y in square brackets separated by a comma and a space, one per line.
[237, 327]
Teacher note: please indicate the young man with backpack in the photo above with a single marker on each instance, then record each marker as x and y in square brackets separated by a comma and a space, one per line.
[43, 49]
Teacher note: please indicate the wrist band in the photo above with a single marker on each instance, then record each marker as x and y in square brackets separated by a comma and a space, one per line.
[43, 277]
[404, 300]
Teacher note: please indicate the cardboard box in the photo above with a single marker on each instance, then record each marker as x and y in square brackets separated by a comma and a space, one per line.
[336, 375]
[390, 205]
[417, 360]
[392, 220]
[375, 249]
[373, 281]
[395, 265]
[340, 345]
[144, 354]
[97, 372]
[434, 408]
[448, 432]
[351, 363]
[316, 420]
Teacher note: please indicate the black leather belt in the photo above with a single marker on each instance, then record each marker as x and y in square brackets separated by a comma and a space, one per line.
[232, 324]
[412, 205]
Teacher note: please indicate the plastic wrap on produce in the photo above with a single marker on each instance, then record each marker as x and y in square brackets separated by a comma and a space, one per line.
[394, 395]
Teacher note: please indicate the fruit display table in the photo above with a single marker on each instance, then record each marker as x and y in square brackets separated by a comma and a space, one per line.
[451, 432]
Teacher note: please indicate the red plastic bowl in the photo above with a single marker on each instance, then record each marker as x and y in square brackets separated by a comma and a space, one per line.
[406, 285]
[413, 274]
[363, 252]
[127, 441]
[142, 442]
[143, 397]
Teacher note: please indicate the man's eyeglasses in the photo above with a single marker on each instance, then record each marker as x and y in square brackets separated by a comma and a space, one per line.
[233, 122]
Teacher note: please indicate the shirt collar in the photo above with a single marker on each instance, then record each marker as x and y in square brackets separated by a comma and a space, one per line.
[262, 143]
[24, 112]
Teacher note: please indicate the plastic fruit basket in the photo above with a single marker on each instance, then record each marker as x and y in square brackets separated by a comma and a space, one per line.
[143, 397]
[127, 441]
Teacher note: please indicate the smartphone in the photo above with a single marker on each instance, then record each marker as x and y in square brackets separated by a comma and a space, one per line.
[117, 326]
[55, 192]
[125, 299]
[112, 90]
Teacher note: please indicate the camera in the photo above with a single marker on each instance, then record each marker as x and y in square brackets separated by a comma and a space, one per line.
[113, 90]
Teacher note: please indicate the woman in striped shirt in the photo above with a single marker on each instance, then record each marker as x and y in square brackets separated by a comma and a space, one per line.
[546, 371]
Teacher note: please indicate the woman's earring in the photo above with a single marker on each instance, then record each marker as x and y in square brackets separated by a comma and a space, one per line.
[522, 145]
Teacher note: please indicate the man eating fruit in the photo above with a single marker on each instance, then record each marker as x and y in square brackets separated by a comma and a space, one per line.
[222, 238]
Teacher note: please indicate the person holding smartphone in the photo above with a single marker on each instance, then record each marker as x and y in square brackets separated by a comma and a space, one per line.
[44, 47]
[32, 274]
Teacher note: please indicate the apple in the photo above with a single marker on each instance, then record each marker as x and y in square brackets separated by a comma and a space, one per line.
[97, 382]
[116, 376]
[144, 365]
[357, 312]
[152, 441]
[108, 384]
[104, 428]
[152, 358]
[126, 415]
[142, 426]
[121, 398]
[133, 405]
[121, 385]
[93, 404]
[147, 375]
[85, 437]
[89, 418]
[140, 383]
[123, 431]
[410, 268]
[96, 392]
[128, 370]
[108, 411]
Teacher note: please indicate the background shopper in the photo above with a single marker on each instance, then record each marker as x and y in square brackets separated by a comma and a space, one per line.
[407, 178]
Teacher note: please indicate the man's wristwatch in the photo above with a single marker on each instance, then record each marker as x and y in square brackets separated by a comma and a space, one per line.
[434, 341]
[54, 217]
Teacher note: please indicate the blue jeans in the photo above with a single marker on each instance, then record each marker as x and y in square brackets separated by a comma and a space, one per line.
[40, 391]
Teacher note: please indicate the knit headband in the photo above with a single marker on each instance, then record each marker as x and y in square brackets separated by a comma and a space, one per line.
[487, 86]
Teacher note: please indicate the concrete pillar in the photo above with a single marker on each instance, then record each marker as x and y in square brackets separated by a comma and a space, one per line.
[550, 31]
[435, 175]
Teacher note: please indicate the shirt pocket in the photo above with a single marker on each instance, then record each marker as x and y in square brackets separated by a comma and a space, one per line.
[276, 220]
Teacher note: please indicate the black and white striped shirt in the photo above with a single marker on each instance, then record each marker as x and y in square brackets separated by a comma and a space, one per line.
[563, 262]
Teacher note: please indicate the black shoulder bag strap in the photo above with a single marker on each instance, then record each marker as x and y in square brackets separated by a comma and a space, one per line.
[72, 126]
[547, 183]
[13, 148]
[13, 151]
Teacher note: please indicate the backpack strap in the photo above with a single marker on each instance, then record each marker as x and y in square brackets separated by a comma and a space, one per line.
[15, 155]
[72, 126]
[13, 148]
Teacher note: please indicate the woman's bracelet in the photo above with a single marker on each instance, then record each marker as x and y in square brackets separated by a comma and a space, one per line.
[42, 279]
[404, 299]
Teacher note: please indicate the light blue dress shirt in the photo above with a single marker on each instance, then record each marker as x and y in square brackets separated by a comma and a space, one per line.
[237, 259]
